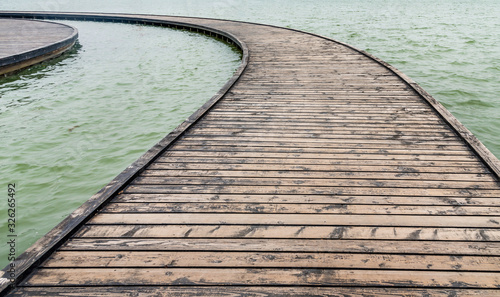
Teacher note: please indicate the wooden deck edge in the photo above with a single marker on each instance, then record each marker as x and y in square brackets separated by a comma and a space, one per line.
[16, 67]
[37, 253]
[29, 58]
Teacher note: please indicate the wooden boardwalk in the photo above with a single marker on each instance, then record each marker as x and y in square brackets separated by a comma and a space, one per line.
[24, 43]
[317, 170]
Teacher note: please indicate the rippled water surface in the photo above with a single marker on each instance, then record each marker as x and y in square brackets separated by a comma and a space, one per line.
[69, 127]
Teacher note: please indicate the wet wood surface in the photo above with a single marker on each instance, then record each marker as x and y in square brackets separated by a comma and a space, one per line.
[320, 172]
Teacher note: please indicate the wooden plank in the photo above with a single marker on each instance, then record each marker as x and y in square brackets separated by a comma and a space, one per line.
[293, 149]
[280, 143]
[314, 119]
[359, 84]
[297, 208]
[285, 91]
[324, 109]
[332, 117]
[245, 147]
[319, 155]
[317, 190]
[328, 133]
[70, 259]
[309, 199]
[350, 113]
[283, 232]
[354, 100]
[259, 277]
[252, 291]
[311, 182]
[297, 219]
[286, 245]
[401, 170]
[309, 135]
[338, 97]
[332, 162]
[324, 103]
[331, 128]
[353, 142]
[233, 121]
[317, 132]
[300, 174]
[249, 291]
[347, 119]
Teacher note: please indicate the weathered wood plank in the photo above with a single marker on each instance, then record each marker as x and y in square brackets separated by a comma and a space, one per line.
[324, 109]
[348, 126]
[423, 201]
[310, 182]
[310, 162]
[371, 140]
[351, 128]
[187, 140]
[190, 145]
[249, 291]
[298, 91]
[301, 190]
[329, 118]
[317, 208]
[260, 277]
[319, 174]
[404, 171]
[317, 104]
[70, 259]
[318, 132]
[321, 155]
[337, 98]
[283, 232]
[297, 219]
[286, 245]
[354, 138]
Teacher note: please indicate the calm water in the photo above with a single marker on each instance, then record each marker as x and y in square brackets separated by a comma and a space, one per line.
[69, 127]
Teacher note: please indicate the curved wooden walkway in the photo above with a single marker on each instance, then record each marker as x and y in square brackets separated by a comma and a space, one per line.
[24, 43]
[317, 170]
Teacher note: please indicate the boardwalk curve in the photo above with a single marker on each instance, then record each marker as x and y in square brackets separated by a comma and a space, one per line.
[24, 43]
[316, 170]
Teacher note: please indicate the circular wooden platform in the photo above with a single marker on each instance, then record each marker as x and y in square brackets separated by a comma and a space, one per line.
[24, 43]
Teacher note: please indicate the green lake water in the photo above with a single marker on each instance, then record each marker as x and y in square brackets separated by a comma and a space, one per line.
[69, 126]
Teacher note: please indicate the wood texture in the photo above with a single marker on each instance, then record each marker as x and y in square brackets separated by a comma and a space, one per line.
[259, 277]
[320, 171]
[247, 291]
[71, 259]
